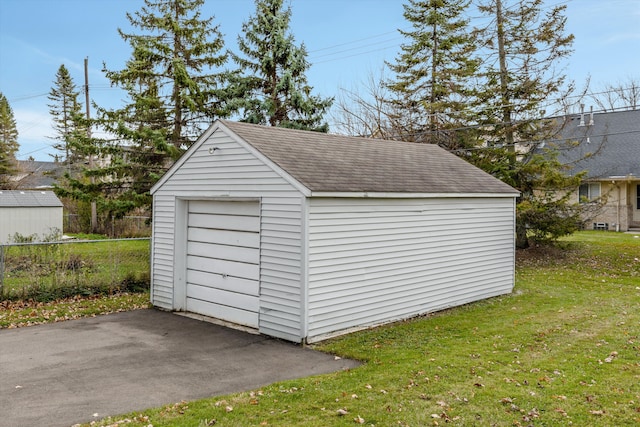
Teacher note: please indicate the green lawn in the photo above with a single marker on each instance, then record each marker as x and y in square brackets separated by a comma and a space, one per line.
[55, 270]
[562, 349]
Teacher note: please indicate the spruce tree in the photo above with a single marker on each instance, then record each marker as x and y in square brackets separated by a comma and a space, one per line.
[64, 105]
[8, 141]
[271, 86]
[432, 89]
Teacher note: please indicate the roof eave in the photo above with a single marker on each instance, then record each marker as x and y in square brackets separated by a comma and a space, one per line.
[628, 177]
[386, 195]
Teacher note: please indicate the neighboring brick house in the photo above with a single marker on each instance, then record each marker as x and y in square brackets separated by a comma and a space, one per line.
[607, 147]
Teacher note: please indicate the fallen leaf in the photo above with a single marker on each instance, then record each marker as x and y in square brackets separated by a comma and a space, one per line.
[342, 411]
[359, 420]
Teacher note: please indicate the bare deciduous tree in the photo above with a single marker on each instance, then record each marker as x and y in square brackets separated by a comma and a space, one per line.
[365, 113]
[623, 95]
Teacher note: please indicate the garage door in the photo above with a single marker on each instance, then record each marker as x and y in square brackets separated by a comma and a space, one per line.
[223, 256]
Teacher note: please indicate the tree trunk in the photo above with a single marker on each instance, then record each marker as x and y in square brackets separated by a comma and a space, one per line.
[504, 76]
[522, 242]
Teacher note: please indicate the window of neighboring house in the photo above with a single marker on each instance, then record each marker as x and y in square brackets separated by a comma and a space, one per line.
[589, 192]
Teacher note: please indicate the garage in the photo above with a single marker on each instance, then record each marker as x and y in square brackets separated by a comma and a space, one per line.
[223, 255]
[303, 235]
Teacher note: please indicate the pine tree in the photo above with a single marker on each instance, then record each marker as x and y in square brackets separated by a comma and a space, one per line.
[175, 89]
[522, 72]
[64, 105]
[8, 141]
[432, 89]
[523, 49]
[271, 86]
[179, 53]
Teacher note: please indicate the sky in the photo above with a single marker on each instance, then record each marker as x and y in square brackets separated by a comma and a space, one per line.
[347, 43]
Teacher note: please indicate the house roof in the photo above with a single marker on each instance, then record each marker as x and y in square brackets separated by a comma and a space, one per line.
[606, 148]
[335, 163]
[23, 199]
[37, 175]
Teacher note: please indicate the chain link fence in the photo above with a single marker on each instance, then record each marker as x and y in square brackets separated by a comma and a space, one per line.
[50, 270]
[128, 226]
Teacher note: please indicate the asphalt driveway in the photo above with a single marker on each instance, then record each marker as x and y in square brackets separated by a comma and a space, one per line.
[80, 370]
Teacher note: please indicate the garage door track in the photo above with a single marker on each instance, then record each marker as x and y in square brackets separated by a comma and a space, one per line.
[80, 370]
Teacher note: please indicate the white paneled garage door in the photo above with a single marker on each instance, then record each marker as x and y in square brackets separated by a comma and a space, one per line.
[223, 256]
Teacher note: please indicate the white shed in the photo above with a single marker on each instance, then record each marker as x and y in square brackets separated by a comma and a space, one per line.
[304, 235]
[29, 213]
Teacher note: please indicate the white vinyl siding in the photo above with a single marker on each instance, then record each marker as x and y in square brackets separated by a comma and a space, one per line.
[162, 255]
[373, 261]
[233, 172]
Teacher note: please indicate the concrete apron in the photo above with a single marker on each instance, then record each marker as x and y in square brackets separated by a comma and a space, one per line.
[81, 370]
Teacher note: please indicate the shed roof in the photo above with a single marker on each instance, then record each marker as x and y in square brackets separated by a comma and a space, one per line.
[23, 199]
[335, 163]
[607, 147]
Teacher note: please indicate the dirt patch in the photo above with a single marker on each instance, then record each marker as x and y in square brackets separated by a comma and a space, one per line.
[544, 255]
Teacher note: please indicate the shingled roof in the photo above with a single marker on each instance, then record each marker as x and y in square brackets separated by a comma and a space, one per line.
[22, 199]
[335, 163]
[607, 147]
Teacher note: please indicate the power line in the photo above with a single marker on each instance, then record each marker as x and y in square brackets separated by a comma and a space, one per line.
[25, 97]
[378, 49]
[354, 41]
[356, 48]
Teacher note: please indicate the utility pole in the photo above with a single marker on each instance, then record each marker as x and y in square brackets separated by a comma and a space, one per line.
[94, 210]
